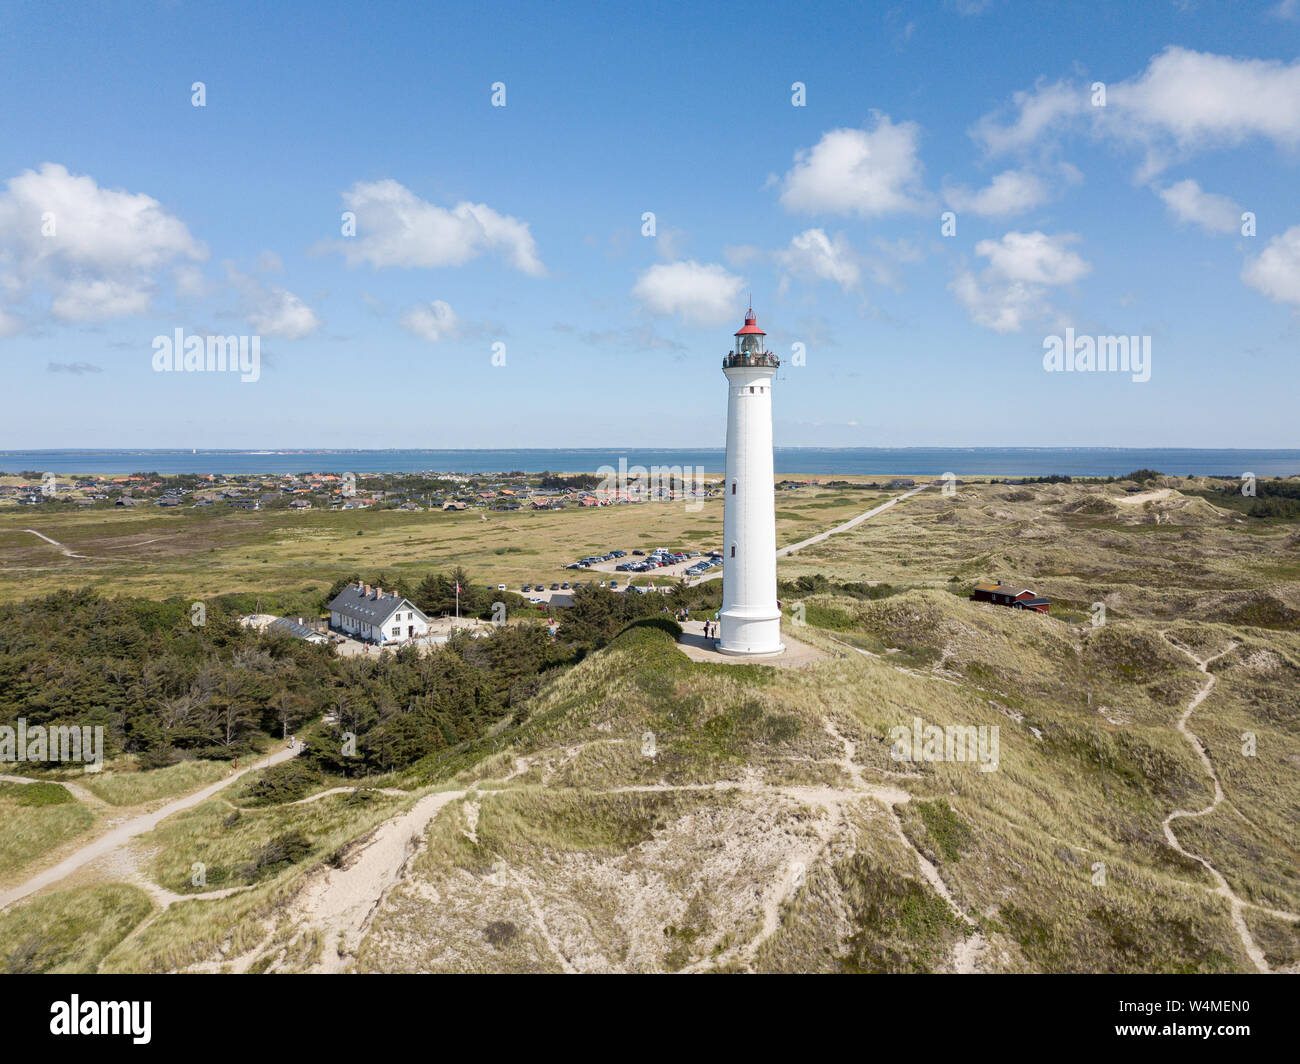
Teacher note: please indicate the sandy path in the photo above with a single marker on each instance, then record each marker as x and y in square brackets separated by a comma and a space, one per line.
[338, 903]
[845, 527]
[1221, 884]
[55, 543]
[121, 834]
[1145, 496]
[853, 523]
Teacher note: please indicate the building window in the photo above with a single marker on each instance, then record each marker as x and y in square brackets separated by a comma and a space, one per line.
[733, 550]
[733, 487]
[397, 632]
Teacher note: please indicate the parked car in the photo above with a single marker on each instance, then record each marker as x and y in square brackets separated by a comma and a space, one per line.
[555, 587]
[526, 587]
[613, 585]
[564, 586]
[501, 587]
[639, 552]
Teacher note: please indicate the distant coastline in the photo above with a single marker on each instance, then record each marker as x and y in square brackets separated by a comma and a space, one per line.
[789, 461]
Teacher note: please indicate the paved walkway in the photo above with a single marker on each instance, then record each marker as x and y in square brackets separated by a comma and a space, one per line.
[697, 648]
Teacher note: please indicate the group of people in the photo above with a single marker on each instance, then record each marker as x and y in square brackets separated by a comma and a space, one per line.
[710, 629]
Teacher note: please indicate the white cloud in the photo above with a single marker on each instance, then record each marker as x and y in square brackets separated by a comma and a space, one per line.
[281, 313]
[813, 254]
[1010, 192]
[95, 250]
[9, 325]
[1276, 270]
[1183, 103]
[1035, 258]
[1036, 112]
[397, 228]
[98, 300]
[1012, 291]
[433, 322]
[704, 293]
[273, 311]
[1002, 306]
[1189, 203]
[1188, 101]
[864, 172]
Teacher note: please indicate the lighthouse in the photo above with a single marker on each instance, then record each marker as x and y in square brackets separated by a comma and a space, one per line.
[750, 621]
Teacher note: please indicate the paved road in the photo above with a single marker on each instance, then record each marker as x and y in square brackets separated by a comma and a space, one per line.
[123, 833]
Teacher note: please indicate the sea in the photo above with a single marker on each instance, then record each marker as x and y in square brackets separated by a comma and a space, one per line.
[789, 461]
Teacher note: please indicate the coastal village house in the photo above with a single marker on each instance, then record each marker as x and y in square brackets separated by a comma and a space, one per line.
[1013, 595]
[368, 614]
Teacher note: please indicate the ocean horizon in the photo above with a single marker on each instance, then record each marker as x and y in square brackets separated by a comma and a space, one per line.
[788, 461]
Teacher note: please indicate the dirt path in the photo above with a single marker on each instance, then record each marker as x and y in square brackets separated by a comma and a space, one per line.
[338, 904]
[1221, 884]
[120, 834]
[56, 544]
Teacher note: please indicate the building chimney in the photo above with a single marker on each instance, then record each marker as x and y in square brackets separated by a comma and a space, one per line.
[367, 590]
[379, 592]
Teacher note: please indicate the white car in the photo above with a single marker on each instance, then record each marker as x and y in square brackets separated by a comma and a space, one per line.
[501, 587]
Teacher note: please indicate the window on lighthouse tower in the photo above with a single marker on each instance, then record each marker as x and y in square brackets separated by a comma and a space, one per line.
[750, 345]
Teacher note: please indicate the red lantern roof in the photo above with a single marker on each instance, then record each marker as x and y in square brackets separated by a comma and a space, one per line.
[750, 328]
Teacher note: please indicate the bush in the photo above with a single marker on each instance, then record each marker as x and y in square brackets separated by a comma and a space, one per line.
[36, 794]
[663, 624]
[280, 852]
[285, 782]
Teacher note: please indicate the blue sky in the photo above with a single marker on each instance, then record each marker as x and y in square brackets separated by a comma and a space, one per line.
[523, 225]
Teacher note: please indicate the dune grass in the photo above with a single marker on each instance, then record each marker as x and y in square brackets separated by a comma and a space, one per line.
[38, 818]
[70, 931]
[131, 786]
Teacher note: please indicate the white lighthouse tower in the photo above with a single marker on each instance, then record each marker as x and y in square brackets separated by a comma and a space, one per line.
[750, 622]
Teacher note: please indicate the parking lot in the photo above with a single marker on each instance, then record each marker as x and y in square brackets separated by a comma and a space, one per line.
[661, 568]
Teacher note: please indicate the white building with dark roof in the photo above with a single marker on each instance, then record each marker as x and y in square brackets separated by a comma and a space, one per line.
[366, 613]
